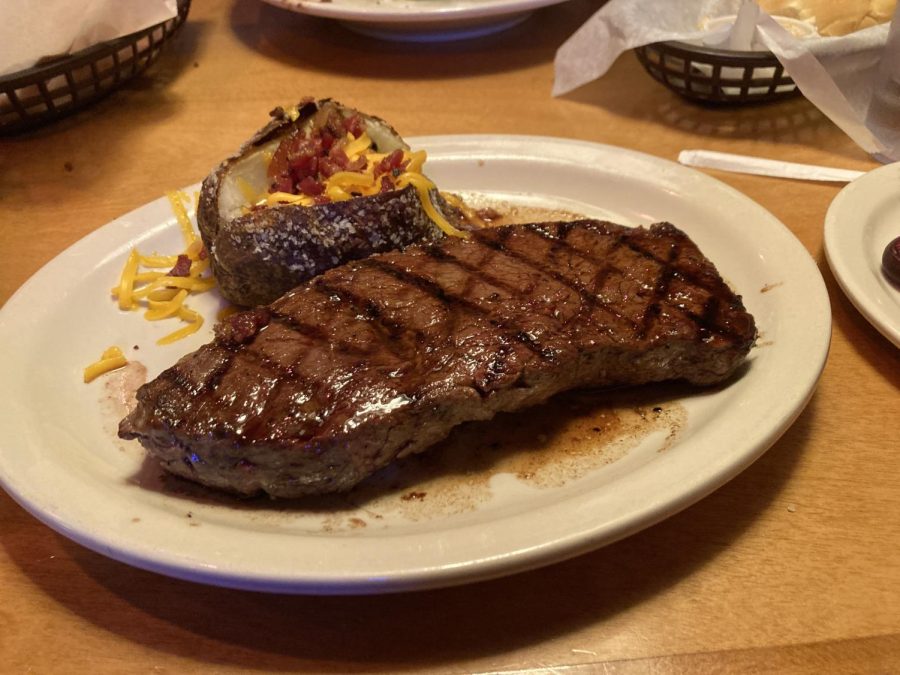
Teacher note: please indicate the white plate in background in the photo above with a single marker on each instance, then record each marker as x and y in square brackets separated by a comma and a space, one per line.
[60, 459]
[420, 20]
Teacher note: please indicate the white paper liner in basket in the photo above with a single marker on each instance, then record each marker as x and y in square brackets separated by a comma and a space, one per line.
[853, 79]
[31, 31]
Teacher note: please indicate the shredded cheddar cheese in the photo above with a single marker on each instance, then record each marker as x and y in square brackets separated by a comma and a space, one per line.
[111, 359]
[126, 280]
[356, 146]
[274, 198]
[158, 260]
[194, 321]
[159, 293]
[424, 186]
[176, 199]
[469, 213]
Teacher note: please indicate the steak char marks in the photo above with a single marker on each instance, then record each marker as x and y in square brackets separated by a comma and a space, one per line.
[382, 357]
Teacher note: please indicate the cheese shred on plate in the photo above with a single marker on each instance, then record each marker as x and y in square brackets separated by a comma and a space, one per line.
[160, 284]
[144, 284]
[111, 359]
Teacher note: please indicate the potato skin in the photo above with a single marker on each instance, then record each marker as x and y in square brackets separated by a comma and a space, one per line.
[259, 256]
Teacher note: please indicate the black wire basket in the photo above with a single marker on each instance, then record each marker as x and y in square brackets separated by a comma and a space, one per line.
[48, 91]
[717, 76]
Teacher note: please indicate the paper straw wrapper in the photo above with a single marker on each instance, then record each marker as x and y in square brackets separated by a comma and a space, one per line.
[760, 166]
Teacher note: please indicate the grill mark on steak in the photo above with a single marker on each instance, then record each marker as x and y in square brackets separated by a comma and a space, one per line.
[316, 333]
[453, 300]
[310, 331]
[388, 331]
[687, 275]
[585, 294]
[281, 378]
[287, 376]
[707, 319]
[660, 290]
[668, 270]
[475, 272]
[605, 267]
[495, 369]
[180, 378]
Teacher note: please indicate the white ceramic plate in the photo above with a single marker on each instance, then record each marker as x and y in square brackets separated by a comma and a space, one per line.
[861, 221]
[60, 459]
[420, 20]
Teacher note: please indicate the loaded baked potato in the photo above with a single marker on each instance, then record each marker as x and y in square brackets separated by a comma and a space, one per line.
[319, 185]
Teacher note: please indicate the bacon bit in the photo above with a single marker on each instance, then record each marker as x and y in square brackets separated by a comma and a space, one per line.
[353, 125]
[358, 164]
[295, 158]
[338, 156]
[182, 267]
[328, 167]
[310, 186]
[392, 164]
[278, 167]
[243, 326]
[305, 165]
[282, 184]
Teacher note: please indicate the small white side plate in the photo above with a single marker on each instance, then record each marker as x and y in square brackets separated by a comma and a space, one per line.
[861, 221]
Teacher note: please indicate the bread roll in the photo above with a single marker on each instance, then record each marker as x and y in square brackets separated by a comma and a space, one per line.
[834, 17]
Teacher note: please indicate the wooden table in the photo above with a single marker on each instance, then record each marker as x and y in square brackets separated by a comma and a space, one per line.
[793, 566]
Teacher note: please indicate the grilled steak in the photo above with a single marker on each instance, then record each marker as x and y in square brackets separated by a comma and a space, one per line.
[382, 357]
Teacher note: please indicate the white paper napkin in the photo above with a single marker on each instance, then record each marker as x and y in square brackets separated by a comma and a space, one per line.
[33, 29]
[853, 79]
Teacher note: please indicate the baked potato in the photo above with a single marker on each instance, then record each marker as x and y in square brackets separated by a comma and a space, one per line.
[319, 185]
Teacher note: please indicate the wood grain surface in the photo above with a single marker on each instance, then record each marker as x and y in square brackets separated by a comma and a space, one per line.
[793, 566]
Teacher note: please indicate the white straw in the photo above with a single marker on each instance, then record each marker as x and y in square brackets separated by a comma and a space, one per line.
[765, 167]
